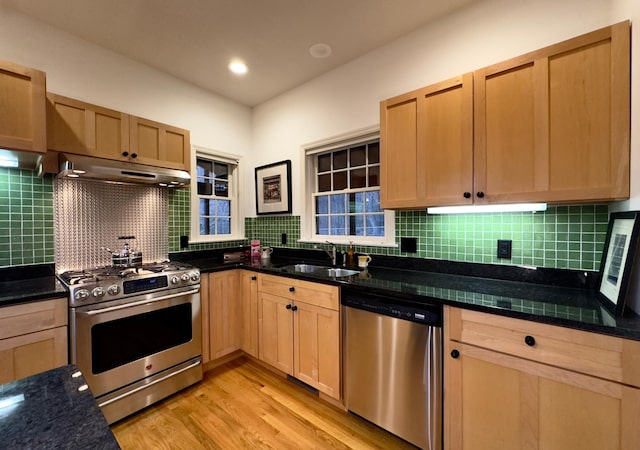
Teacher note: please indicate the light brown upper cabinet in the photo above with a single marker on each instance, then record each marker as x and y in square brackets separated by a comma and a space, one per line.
[79, 127]
[427, 146]
[22, 108]
[552, 125]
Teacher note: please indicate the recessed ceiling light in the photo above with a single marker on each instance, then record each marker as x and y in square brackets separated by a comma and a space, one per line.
[238, 67]
[320, 50]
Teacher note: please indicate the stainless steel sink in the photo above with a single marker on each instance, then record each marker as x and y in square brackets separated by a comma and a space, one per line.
[325, 271]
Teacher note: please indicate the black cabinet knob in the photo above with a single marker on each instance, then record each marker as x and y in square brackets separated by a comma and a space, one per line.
[254, 278]
[467, 195]
[294, 308]
[125, 154]
[530, 341]
[288, 306]
[292, 289]
[134, 155]
[480, 194]
[455, 354]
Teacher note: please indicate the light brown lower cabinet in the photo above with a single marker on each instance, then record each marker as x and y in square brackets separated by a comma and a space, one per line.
[514, 384]
[299, 330]
[249, 293]
[33, 338]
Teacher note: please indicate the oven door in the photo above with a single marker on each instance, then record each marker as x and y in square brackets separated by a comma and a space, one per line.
[120, 342]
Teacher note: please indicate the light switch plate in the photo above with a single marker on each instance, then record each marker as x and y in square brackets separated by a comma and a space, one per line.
[504, 248]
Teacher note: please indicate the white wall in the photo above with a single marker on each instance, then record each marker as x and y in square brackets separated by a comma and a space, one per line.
[486, 32]
[84, 71]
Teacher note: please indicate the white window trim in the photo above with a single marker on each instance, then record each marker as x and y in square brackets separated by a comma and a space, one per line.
[308, 174]
[237, 221]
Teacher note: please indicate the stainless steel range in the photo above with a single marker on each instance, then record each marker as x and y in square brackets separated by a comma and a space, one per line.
[135, 333]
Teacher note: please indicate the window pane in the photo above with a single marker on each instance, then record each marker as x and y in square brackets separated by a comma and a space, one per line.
[324, 182]
[358, 156]
[224, 208]
[221, 171]
[339, 181]
[204, 168]
[373, 201]
[223, 225]
[204, 207]
[338, 225]
[359, 226]
[338, 204]
[359, 202]
[358, 178]
[204, 225]
[340, 160]
[322, 225]
[324, 162]
[222, 188]
[375, 225]
[374, 153]
[322, 204]
[204, 186]
[212, 207]
[374, 176]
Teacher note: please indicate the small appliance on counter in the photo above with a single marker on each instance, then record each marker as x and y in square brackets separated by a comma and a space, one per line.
[127, 257]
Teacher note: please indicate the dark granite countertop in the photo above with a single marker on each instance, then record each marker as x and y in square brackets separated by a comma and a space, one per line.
[559, 297]
[23, 284]
[53, 409]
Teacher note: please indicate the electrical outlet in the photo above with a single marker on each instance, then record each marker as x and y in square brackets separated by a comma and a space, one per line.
[504, 248]
[408, 244]
[283, 238]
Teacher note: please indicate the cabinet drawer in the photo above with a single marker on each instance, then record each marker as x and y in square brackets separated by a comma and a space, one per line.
[317, 294]
[31, 317]
[593, 354]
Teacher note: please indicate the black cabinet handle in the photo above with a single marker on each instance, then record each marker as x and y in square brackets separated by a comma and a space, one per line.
[294, 308]
[254, 278]
[455, 354]
[480, 194]
[467, 195]
[530, 341]
[288, 306]
[292, 289]
[125, 154]
[134, 155]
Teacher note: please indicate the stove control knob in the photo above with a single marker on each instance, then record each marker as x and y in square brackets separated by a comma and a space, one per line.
[82, 294]
[185, 277]
[175, 279]
[98, 292]
[195, 276]
[114, 289]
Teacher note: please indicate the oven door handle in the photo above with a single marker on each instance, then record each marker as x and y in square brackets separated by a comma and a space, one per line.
[93, 312]
[140, 388]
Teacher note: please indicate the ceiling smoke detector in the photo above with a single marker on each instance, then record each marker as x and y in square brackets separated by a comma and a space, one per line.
[320, 50]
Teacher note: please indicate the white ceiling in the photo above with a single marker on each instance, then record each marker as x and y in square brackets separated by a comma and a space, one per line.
[195, 40]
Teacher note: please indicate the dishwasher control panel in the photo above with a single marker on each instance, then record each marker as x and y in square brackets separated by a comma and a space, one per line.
[427, 314]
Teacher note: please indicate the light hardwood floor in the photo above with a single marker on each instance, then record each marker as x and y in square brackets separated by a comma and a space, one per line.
[243, 405]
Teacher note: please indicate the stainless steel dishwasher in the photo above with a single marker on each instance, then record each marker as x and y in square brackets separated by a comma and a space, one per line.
[393, 364]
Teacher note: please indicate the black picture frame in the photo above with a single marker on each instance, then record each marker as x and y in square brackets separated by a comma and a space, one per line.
[273, 188]
[618, 258]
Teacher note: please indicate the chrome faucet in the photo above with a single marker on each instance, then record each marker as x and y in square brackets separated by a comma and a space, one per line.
[331, 253]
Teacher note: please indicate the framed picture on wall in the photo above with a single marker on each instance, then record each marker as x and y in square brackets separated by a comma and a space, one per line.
[617, 259]
[273, 188]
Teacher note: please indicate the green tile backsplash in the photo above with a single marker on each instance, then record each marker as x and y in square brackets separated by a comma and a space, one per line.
[26, 218]
[562, 237]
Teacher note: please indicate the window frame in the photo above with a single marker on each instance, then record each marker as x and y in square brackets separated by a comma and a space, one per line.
[309, 174]
[235, 196]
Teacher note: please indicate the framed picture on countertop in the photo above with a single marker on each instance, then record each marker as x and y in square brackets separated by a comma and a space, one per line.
[618, 259]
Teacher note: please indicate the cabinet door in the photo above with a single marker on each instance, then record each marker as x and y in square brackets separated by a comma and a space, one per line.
[225, 313]
[317, 347]
[249, 292]
[427, 146]
[32, 353]
[85, 129]
[157, 144]
[497, 401]
[275, 324]
[22, 108]
[554, 124]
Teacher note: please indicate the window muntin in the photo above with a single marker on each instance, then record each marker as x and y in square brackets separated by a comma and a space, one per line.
[347, 192]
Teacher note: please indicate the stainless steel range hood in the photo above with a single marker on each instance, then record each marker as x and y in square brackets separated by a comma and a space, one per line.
[77, 166]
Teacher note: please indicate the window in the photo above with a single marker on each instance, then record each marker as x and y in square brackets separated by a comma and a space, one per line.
[214, 198]
[344, 194]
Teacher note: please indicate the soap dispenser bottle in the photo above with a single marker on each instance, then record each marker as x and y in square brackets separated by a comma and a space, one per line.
[351, 257]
